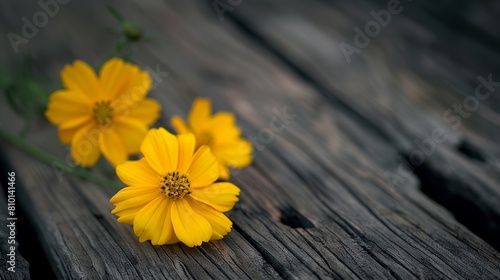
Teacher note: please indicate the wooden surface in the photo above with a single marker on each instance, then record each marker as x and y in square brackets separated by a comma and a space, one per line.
[320, 200]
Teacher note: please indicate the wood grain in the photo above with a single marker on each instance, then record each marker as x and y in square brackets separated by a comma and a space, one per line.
[402, 92]
[316, 203]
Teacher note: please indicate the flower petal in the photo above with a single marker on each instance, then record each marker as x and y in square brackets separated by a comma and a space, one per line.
[112, 147]
[134, 92]
[66, 135]
[128, 216]
[179, 125]
[173, 239]
[139, 201]
[132, 133]
[223, 128]
[224, 171]
[221, 224]
[137, 173]
[160, 148]
[146, 221]
[81, 77]
[66, 105]
[85, 145]
[190, 227]
[204, 168]
[237, 154]
[146, 111]
[133, 193]
[223, 119]
[221, 196]
[200, 113]
[69, 128]
[114, 77]
[186, 150]
[130, 200]
[76, 122]
[163, 220]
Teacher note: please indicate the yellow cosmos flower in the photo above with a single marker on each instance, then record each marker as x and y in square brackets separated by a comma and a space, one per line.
[107, 113]
[171, 195]
[219, 132]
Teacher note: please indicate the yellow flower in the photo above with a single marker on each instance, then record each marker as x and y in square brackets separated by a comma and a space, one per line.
[171, 195]
[219, 132]
[107, 114]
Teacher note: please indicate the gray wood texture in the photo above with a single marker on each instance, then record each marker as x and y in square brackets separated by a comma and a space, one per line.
[323, 199]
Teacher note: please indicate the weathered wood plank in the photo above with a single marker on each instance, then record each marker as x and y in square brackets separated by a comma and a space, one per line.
[402, 92]
[259, 100]
[315, 204]
[83, 240]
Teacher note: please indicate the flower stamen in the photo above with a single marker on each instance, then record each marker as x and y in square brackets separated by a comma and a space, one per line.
[175, 185]
[103, 112]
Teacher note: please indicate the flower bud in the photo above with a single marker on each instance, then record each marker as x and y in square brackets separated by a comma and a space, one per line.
[132, 31]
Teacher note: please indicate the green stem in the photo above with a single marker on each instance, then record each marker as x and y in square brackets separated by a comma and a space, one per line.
[55, 162]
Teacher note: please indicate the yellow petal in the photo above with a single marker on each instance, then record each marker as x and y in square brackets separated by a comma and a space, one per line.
[134, 192]
[221, 196]
[160, 148]
[179, 125]
[137, 173]
[132, 203]
[69, 128]
[76, 122]
[173, 240]
[224, 128]
[186, 149]
[66, 135]
[224, 171]
[132, 133]
[204, 168]
[80, 76]
[200, 113]
[66, 105]
[114, 78]
[146, 220]
[221, 224]
[112, 147]
[130, 200]
[128, 216]
[238, 154]
[85, 145]
[223, 119]
[134, 92]
[146, 111]
[163, 220]
[190, 227]
[126, 210]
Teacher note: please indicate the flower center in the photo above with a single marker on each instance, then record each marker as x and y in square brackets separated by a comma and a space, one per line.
[175, 185]
[103, 112]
